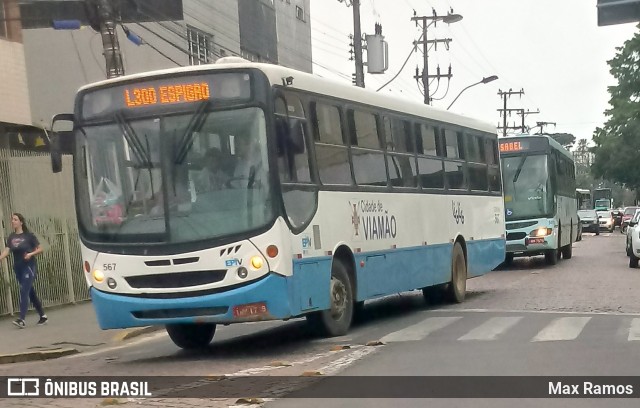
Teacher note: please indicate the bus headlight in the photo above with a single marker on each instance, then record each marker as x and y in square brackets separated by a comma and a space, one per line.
[541, 232]
[257, 262]
[98, 276]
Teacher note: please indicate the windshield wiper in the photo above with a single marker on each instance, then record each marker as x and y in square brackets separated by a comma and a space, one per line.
[519, 169]
[134, 141]
[195, 124]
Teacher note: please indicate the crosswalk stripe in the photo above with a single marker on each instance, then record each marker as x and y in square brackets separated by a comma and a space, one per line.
[563, 328]
[634, 330]
[491, 329]
[420, 330]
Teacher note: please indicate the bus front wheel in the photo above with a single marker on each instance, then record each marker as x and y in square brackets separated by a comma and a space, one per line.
[337, 319]
[457, 289]
[191, 336]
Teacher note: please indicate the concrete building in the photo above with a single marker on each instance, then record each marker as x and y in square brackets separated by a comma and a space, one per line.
[14, 103]
[59, 62]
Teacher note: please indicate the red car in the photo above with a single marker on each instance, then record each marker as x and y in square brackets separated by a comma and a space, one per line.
[627, 215]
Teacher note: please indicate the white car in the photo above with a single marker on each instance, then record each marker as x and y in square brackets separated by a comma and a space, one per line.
[633, 240]
[606, 221]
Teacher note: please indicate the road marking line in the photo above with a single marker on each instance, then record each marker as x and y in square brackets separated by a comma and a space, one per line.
[563, 328]
[634, 330]
[534, 311]
[343, 362]
[420, 330]
[491, 329]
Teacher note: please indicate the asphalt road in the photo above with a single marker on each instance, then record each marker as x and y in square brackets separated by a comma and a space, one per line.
[578, 318]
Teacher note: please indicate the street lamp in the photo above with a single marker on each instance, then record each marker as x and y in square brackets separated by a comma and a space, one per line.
[482, 81]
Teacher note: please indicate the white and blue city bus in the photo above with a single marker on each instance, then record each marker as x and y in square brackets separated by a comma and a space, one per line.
[333, 195]
[540, 197]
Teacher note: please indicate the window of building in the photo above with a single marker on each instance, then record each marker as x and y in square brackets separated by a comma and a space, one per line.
[300, 13]
[3, 22]
[200, 46]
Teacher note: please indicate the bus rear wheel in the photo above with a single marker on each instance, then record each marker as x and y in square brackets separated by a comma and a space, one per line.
[337, 319]
[457, 288]
[191, 336]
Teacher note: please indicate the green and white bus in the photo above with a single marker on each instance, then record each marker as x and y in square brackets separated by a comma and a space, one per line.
[539, 196]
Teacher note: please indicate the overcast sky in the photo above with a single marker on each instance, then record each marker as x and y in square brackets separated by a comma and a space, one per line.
[553, 49]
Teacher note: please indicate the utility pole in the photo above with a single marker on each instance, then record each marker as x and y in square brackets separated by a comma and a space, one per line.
[504, 110]
[358, 78]
[449, 18]
[110, 44]
[525, 113]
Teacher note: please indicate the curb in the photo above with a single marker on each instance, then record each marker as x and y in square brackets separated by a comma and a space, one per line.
[138, 331]
[36, 355]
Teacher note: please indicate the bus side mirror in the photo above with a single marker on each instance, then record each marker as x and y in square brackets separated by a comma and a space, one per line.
[633, 223]
[56, 153]
[59, 138]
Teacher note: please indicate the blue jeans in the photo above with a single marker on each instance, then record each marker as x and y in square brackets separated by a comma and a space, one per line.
[26, 275]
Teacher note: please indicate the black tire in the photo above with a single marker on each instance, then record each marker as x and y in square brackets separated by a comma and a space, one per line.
[633, 261]
[508, 259]
[434, 295]
[358, 312]
[628, 248]
[551, 256]
[567, 250]
[191, 336]
[337, 319]
[598, 231]
[457, 288]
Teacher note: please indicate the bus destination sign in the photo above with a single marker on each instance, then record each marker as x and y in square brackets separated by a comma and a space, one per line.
[516, 146]
[136, 96]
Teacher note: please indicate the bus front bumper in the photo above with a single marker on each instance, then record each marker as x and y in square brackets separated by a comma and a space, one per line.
[529, 246]
[265, 299]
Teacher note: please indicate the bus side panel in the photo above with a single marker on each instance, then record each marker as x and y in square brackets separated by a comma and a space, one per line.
[400, 270]
[484, 256]
[311, 285]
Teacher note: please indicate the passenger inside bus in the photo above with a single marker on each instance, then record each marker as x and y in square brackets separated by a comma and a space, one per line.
[214, 175]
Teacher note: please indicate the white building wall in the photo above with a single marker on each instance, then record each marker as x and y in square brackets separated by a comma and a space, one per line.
[294, 34]
[14, 94]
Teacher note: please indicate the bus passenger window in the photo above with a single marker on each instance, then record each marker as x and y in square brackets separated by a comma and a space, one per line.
[426, 140]
[456, 179]
[452, 145]
[431, 173]
[365, 128]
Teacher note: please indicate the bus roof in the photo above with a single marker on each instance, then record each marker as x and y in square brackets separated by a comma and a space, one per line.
[319, 85]
[583, 191]
[552, 143]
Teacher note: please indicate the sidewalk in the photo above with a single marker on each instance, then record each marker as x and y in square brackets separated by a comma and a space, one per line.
[71, 329]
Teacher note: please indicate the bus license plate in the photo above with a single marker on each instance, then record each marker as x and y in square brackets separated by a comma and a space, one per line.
[251, 309]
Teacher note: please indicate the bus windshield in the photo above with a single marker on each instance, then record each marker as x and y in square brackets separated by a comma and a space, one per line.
[527, 186]
[174, 178]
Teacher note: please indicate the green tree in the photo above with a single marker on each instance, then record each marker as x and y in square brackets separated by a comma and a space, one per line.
[565, 139]
[617, 143]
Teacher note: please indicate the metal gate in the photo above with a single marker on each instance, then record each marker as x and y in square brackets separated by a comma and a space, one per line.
[28, 186]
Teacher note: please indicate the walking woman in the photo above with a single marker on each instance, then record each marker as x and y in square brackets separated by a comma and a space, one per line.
[24, 246]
